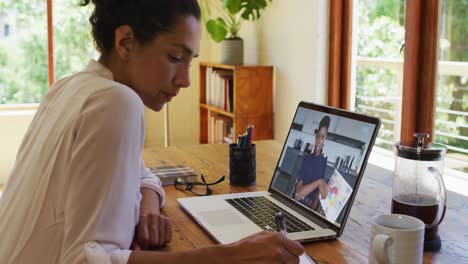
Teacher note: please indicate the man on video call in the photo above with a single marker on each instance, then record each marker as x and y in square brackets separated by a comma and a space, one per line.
[312, 171]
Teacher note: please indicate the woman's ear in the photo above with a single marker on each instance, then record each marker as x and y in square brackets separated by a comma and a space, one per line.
[125, 41]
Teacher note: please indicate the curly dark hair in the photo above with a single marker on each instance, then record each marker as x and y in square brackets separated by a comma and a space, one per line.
[147, 18]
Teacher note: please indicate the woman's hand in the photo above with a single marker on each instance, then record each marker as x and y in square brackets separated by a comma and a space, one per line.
[264, 247]
[153, 229]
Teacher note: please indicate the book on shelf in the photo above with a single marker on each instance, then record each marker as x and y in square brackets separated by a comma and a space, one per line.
[219, 88]
[168, 174]
[220, 128]
[227, 140]
[208, 84]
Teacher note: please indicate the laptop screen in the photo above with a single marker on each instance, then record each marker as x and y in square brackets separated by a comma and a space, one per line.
[322, 158]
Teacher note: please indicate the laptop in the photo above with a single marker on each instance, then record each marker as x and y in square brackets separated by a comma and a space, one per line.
[335, 161]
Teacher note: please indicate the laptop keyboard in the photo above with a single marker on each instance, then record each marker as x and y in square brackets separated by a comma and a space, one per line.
[263, 211]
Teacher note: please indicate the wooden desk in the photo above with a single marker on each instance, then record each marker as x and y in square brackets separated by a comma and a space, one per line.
[374, 197]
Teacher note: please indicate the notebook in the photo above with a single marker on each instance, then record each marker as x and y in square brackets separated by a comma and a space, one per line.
[313, 155]
[168, 174]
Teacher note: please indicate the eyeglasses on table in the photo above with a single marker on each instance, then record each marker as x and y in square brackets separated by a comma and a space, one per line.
[197, 188]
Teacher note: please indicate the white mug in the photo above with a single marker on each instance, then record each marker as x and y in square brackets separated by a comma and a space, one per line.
[396, 238]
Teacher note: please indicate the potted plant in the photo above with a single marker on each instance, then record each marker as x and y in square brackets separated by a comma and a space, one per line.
[225, 28]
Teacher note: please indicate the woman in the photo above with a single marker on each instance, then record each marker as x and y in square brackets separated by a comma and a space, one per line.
[79, 192]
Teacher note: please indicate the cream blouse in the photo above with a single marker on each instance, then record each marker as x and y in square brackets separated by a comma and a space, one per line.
[73, 195]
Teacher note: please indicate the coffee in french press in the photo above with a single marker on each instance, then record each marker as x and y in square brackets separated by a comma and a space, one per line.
[418, 186]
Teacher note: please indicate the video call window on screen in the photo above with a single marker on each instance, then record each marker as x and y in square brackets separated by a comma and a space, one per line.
[321, 161]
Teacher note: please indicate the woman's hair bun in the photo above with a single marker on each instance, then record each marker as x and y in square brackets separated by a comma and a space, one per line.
[147, 18]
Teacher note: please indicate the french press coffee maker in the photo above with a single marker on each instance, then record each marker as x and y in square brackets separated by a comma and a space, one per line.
[418, 186]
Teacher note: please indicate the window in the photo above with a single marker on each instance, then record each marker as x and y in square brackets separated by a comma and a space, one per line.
[378, 76]
[451, 124]
[24, 47]
[23, 53]
[73, 43]
[394, 71]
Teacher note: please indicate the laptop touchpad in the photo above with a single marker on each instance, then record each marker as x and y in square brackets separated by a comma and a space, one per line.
[221, 217]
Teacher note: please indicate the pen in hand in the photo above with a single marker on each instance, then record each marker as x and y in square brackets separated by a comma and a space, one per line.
[280, 223]
[281, 228]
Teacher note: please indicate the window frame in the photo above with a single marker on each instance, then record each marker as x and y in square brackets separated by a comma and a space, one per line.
[339, 53]
[420, 68]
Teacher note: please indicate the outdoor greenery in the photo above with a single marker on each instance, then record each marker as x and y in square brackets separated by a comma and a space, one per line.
[381, 35]
[23, 54]
[454, 32]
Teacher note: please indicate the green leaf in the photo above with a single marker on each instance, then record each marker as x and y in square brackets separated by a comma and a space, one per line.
[233, 6]
[251, 8]
[205, 11]
[218, 29]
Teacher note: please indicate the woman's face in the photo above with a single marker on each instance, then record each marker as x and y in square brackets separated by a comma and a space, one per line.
[156, 71]
[320, 140]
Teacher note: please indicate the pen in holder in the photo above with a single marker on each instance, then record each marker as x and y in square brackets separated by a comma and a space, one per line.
[242, 168]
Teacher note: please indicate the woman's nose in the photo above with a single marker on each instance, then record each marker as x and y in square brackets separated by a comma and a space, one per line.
[182, 78]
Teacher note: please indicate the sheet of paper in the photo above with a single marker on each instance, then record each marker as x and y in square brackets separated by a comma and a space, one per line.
[305, 259]
[339, 193]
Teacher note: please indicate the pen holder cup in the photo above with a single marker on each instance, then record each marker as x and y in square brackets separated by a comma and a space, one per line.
[242, 168]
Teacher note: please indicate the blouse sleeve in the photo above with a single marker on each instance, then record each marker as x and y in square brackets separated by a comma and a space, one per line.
[102, 190]
[149, 180]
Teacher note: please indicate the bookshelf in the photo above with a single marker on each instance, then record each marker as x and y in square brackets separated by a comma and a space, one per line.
[233, 97]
